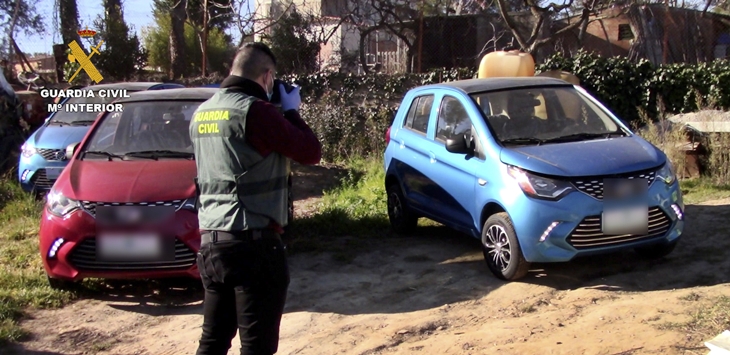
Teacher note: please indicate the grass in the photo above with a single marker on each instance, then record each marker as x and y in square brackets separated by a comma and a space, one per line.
[706, 320]
[23, 282]
[349, 216]
[702, 189]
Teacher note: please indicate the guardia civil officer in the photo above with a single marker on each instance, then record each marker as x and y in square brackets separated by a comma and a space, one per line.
[243, 167]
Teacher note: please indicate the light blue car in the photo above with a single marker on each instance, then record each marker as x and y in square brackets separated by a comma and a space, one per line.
[536, 168]
[43, 155]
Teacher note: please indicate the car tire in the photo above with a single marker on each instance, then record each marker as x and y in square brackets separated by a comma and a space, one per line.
[402, 219]
[501, 249]
[62, 285]
[656, 251]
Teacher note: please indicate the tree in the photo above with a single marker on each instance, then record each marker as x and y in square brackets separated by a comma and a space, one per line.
[175, 10]
[203, 15]
[543, 17]
[15, 15]
[156, 40]
[294, 43]
[122, 55]
[68, 13]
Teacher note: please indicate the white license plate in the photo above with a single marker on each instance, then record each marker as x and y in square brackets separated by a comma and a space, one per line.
[53, 173]
[627, 220]
[129, 246]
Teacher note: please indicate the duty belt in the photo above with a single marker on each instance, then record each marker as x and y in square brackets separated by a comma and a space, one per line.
[246, 235]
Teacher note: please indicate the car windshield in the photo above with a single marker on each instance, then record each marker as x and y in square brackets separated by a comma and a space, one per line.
[544, 115]
[64, 116]
[150, 129]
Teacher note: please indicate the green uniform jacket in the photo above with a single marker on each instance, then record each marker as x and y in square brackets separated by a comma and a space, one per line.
[238, 188]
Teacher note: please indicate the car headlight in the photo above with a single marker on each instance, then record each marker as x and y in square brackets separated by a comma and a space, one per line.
[666, 173]
[539, 186]
[60, 205]
[28, 150]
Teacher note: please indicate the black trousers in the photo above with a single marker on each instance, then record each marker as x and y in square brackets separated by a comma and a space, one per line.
[245, 289]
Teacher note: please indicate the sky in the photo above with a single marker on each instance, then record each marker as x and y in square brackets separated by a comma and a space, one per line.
[137, 14]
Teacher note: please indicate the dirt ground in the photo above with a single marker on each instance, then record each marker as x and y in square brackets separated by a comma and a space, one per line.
[430, 294]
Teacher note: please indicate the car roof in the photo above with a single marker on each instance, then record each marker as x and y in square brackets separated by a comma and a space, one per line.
[472, 86]
[200, 94]
[144, 85]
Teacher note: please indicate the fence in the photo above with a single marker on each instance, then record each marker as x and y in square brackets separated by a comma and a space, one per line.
[660, 34]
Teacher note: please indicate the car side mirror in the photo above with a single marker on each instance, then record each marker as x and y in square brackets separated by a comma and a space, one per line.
[458, 145]
[71, 149]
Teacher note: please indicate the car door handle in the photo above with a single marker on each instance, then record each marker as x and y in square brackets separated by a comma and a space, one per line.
[433, 156]
[482, 182]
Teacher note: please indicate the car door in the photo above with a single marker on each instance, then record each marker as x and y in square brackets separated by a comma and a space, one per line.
[412, 161]
[453, 174]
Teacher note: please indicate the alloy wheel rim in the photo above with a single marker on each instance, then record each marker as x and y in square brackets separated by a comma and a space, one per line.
[499, 250]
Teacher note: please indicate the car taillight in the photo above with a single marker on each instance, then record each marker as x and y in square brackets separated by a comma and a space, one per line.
[387, 136]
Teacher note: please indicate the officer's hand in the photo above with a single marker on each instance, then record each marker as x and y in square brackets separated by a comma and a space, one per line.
[291, 100]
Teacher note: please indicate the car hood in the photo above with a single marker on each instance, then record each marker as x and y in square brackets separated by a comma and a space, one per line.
[586, 158]
[129, 181]
[57, 137]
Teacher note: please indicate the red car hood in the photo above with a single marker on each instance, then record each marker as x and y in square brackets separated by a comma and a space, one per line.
[129, 181]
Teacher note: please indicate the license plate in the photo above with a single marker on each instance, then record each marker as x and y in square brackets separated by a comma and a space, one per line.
[130, 247]
[53, 173]
[626, 220]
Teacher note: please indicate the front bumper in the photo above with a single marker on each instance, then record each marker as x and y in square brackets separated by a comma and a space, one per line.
[38, 174]
[76, 257]
[576, 224]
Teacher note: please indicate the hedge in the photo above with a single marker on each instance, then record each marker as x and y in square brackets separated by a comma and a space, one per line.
[351, 113]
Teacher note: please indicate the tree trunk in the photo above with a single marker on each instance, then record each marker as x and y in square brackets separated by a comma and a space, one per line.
[68, 12]
[204, 41]
[113, 9]
[178, 64]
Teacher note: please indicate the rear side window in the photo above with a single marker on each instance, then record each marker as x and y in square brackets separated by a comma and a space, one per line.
[453, 119]
[419, 113]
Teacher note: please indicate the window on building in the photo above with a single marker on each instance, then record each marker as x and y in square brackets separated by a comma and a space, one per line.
[624, 32]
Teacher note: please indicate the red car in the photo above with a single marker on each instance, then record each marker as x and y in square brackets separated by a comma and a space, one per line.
[125, 207]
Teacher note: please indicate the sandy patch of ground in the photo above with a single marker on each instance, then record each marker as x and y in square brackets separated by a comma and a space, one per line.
[430, 293]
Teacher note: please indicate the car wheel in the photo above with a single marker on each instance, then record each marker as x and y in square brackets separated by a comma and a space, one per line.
[402, 219]
[656, 251]
[502, 251]
[62, 285]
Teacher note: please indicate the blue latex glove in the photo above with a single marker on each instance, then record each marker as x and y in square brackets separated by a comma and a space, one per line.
[290, 101]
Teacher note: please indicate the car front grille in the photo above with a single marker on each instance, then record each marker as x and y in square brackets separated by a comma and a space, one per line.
[52, 154]
[90, 206]
[83, 257]
[41, 181]
[594, 186]
[588, 233]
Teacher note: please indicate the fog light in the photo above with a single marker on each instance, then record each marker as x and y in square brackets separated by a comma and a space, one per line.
[549, 229]
[678, 212]
[54, 248]
[25, 174]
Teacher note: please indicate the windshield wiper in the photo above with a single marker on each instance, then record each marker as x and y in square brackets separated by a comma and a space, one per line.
[523, 140]
[583, 136]
[58, 122]
[82, 122]
[156, 154]
[98, 152]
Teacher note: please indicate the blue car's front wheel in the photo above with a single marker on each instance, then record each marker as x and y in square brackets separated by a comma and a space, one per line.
[502, 251]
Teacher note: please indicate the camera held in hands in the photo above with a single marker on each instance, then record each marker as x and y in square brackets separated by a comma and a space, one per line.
[276, 97]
